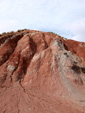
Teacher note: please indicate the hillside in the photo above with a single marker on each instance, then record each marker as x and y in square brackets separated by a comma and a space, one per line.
[41, 72]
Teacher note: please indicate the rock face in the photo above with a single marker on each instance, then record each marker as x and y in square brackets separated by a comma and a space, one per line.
[41, 73]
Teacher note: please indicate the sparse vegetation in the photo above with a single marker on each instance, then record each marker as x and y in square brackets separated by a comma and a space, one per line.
[58, 35]
[11, 32]
[63, 38]
[21, 30]
[52, 33]
[4, 33]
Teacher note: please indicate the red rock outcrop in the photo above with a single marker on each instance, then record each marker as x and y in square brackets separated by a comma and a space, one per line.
[41, 73]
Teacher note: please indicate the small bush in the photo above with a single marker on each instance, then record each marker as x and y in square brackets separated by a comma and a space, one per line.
[21, 30]
[0, 35]
[11, 32]
[4, 33]
[52, 33]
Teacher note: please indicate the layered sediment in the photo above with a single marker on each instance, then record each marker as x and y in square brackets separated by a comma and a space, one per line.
[41, 73]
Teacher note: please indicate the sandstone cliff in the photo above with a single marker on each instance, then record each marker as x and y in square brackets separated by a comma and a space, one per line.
[41, 73]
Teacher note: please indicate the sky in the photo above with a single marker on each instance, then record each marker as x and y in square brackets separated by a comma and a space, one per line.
[63, 17]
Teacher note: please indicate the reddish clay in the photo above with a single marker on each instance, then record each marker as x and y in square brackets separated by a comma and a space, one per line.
[41, 73]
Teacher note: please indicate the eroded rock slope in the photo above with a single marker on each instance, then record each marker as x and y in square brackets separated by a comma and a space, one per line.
[41, 73]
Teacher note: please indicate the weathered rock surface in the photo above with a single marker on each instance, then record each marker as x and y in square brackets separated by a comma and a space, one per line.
[41, 73]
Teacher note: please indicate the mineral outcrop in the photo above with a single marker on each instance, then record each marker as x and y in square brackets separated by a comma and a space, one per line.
[41, 72]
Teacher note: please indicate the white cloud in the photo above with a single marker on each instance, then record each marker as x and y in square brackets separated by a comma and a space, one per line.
[75, 30]
[63, 16]
[9, 25]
